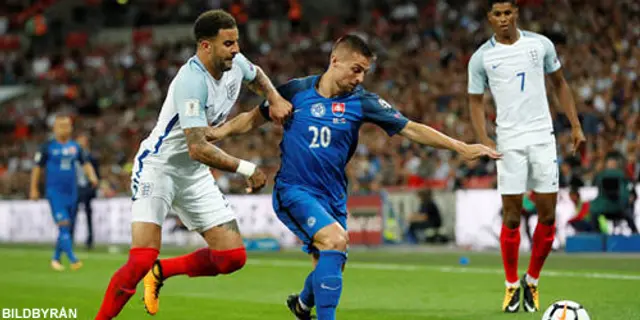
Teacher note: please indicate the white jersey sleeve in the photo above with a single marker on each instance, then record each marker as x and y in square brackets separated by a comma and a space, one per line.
[249, 71]
[477, 82]
[189, 96]
[551, 61]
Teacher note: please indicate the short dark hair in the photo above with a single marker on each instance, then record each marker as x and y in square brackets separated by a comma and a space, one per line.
[355, 44]
[210, 22]
[492, 2]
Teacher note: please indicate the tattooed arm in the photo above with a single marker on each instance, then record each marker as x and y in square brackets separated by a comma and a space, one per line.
[202, 151]
[259, 83]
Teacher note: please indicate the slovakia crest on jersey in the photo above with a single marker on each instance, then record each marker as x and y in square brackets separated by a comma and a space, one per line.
[338, 109]
[317, 110]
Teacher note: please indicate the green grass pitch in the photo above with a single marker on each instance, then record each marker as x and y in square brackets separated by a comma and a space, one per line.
[390, 283]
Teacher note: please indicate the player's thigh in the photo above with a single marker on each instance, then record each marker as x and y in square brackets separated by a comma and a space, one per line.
[203, 208]
[543, 161]
[305, 216]
[512, 172]
[59, 209]
[153, 192]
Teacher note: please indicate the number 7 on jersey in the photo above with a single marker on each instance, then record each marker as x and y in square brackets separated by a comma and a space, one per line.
[521, 74]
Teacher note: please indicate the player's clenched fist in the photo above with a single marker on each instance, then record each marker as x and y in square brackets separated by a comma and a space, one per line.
[474, 151]
[256, 181]
[279, 109]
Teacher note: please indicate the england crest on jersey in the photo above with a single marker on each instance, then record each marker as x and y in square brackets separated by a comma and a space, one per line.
[232, 89]
[534, 57]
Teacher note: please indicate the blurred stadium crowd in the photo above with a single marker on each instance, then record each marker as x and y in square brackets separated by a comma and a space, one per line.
[114, 92]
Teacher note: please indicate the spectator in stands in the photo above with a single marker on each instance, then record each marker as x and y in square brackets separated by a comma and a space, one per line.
[426, 220]
[613, 197]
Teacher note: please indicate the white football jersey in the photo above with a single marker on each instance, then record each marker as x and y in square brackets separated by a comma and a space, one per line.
[515, 74]
[194, 99]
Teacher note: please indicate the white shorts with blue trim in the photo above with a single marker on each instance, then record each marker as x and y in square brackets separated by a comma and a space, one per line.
[195, 198]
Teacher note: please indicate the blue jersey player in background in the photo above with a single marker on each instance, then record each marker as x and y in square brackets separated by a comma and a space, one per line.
[310, 193]
[58, 157]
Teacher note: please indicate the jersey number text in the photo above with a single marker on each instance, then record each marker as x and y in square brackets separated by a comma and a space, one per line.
[321, 137]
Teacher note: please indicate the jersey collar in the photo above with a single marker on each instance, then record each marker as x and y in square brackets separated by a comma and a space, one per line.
[495, 42]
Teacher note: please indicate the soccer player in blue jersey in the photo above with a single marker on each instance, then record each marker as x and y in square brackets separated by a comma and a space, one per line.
[58, 157]
[310, 193]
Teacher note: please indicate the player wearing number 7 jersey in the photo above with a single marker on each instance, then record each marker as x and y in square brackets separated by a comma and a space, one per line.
[513, 64]
[310, 193]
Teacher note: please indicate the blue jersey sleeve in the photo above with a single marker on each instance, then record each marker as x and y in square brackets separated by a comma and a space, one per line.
[378, 111]
[41, 156]
[189, 96]
[287, 91]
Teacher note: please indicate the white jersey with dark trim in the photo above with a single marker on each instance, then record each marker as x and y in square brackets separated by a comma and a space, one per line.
[194, 99]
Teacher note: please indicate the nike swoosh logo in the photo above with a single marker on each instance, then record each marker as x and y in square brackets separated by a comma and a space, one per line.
[495, 66]
[296, 110]
[324, 286]
[513, 307]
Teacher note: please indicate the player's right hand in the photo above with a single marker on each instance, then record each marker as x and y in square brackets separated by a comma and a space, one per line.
[474, 151]
[34, 195]
[257, 181]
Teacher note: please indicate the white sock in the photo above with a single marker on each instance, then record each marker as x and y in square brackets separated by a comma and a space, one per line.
[302, 305]
[531, 280]
[512, 284]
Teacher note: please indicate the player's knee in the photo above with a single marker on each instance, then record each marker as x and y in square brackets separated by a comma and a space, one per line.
[64, 223]
[511, 218]
[548, 220]
[231, 260]
[335, 241]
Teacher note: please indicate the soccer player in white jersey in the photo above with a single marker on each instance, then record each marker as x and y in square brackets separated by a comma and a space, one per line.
[172, 168]
[512, 65]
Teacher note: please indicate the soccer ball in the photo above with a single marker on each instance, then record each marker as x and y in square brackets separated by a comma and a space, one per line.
[566, 310]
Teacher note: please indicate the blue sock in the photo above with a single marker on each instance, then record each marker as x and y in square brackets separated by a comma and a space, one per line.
[58, 250]
[65, 243]
[327, 283]
[306, 296]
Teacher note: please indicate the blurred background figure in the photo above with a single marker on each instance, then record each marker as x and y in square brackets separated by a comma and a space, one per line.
[614, 196]
[86, 191]
[424, 224]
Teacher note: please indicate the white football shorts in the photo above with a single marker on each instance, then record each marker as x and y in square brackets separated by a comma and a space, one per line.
[534, 167]
[194, 197]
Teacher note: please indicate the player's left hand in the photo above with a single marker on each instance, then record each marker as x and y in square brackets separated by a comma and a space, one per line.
[474, 151]
[279, 109]
[577, 138]
[257, 181]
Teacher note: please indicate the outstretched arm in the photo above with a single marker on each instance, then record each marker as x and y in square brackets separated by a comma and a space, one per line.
[426, 135]
[240, 124]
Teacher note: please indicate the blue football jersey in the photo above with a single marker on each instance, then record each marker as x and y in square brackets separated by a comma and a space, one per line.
[322, 135]
[59, 161]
